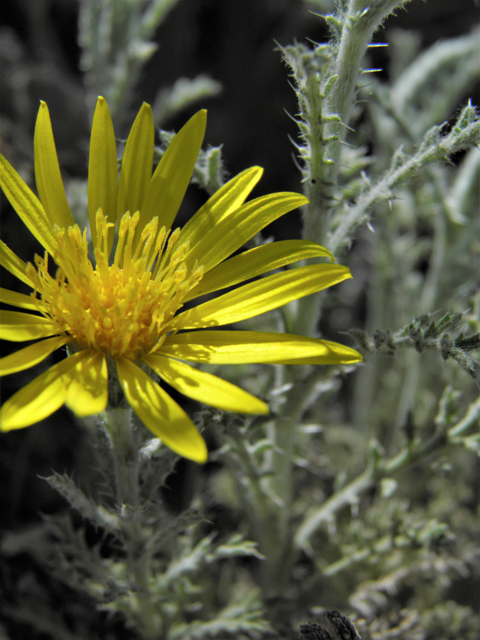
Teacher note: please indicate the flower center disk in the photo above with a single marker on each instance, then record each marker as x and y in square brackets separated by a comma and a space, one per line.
[121, 309]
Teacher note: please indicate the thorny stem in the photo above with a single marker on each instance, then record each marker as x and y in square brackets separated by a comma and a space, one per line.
[320, 188]
[360, 21]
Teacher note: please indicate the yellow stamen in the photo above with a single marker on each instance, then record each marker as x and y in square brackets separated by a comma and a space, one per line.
[121, 309]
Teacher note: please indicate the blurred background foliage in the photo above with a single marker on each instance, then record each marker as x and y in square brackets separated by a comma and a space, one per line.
[400, 552]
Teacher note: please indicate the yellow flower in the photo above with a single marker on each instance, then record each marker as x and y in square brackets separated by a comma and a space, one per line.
[119, 312]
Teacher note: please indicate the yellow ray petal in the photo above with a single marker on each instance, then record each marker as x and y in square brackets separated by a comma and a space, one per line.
[234, 230]
[204, 387]
[14, 264]
[27, 205]
[31, 355]
[17, 299]
[40, 398]
[245, 347]
[263, 295]
[47, 172]
[227, 199]
[172, 175]
[160, 413]
[255, 262]
[88, 389]
[102, 168]
[335, 353]
[137, 164]
[19, 327]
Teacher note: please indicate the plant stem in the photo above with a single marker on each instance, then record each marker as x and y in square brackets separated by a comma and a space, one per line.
[274, 523]
[118, 426]
[330, 114]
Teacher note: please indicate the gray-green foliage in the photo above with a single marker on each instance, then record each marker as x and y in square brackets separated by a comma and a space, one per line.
[418, 215]
[424, 334]
[406, 194]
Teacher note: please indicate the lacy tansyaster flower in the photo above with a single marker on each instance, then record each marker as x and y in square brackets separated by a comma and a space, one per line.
[116, 301]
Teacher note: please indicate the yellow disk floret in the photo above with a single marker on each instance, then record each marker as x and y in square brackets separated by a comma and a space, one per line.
[121, 309]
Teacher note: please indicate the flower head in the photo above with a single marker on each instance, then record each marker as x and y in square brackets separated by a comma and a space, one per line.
[116, 301]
